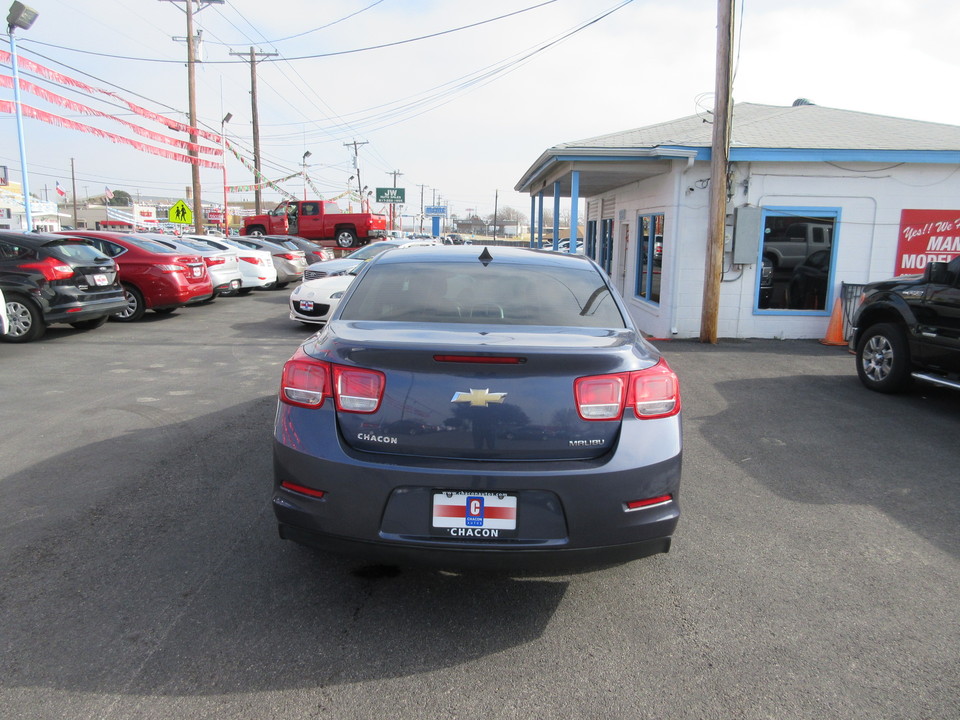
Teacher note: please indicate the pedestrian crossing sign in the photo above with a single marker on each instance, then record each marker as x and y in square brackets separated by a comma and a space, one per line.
[181, 213]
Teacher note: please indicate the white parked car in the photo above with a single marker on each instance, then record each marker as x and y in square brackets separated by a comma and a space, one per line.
[4, 323]
[313, 301]
[256, 266]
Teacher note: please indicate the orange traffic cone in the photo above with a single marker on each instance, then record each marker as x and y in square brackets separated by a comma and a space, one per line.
[834, 334]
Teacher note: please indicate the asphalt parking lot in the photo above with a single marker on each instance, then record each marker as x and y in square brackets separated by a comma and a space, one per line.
[815, 572]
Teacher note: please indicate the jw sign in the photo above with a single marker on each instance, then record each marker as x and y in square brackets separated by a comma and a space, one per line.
[391, 195]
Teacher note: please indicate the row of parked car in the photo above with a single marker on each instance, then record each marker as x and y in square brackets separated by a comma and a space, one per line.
[85, 277]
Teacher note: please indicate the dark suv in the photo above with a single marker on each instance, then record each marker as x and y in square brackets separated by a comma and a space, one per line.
[908, 328]
[54, 279]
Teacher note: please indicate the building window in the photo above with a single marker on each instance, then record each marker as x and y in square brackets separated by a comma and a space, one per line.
[649, 256]
[590, 248]
[605, 259]
[797, 255]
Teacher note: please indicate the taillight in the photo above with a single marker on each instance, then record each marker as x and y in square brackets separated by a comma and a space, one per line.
[288, 256]
[215, 260]
[51, 268]
[171, 268]
[651, 393]
[654, 392]
[600, 397]
[356, 389]
[307, 382]
[253, 260]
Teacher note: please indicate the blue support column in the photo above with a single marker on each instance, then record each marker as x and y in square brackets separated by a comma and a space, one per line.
[556, 215]
[24, 182]
[540, 220]
[533, 215]
[574, 208]
[435, 228]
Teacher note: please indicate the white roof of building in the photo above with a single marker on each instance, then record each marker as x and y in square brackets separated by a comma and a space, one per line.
[800, 133]
[796, 127]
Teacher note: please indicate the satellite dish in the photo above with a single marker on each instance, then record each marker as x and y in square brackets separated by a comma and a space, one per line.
[801, 101]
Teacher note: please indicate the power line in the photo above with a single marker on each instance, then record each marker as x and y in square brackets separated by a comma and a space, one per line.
[319, 55]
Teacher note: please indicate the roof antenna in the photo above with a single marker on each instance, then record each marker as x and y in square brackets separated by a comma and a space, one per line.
[485, 257]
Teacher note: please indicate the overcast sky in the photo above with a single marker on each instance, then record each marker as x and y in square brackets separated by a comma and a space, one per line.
[463, 113]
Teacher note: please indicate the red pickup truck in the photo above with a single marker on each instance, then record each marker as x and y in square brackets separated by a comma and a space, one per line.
[318, 220]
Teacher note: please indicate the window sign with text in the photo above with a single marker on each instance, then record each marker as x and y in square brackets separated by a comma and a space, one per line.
[927, 236]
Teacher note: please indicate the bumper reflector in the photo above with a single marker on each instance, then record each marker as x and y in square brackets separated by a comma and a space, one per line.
[302, 490]
[648, 502]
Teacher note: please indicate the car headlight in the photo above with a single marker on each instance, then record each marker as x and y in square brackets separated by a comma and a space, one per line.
[337, 295]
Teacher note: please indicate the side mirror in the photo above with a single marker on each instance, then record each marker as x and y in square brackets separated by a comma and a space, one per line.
[936, 273]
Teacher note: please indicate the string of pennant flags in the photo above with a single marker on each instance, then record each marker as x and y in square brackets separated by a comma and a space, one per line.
[8, 107]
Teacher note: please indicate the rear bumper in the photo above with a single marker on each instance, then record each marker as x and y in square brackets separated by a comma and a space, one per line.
[570, 514]
[68, 310]
[566, 560]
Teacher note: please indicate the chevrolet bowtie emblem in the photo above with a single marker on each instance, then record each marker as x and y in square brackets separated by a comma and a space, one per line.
[478, 398]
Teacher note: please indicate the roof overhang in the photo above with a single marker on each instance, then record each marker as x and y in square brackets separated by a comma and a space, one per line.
[600, 169]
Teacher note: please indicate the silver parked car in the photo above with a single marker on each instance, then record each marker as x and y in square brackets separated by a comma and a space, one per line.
[289, 260]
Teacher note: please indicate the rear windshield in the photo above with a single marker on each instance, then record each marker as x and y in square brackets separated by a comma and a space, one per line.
[500, 294]
[149, 245]
[195, 244]
[286, 244]
[75, 250]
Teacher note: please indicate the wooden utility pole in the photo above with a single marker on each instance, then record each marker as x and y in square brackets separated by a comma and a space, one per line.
[255, 117]
[719, 162]
[356, 164]
[73, 185]
[393, 213]
[192, 89]
[191, 40]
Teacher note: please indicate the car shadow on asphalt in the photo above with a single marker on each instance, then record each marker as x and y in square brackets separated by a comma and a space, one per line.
[166, 576]
[824, 439]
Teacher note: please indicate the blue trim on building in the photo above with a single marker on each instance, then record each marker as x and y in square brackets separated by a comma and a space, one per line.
[925, 157]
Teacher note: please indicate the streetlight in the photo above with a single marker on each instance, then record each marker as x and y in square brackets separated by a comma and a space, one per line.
[22, 17]
[223, 148]
[305, 156]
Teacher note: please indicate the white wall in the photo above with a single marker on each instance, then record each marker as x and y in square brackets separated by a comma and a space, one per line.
[869, 198]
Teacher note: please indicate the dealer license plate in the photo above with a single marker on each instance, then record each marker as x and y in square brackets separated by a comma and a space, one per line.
[474, 515]
[306, 305]
[100, 280]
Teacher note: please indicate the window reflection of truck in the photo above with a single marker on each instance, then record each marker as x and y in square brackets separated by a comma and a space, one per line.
[798, 242]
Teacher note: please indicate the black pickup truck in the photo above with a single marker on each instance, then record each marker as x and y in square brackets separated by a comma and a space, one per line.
[908, 329]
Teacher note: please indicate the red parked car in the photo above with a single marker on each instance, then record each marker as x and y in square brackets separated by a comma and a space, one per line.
[154, 276]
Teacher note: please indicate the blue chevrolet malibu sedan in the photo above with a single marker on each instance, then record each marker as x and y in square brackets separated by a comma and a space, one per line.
[471, 407]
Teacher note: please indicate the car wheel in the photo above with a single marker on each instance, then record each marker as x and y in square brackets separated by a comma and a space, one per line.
[346, 239]
[26, 321]
[244, 291]
[883, 358]
[135, 305]
[90, 324]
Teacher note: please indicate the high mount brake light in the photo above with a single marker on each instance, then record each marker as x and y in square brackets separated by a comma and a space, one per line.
[480, 359]
[651, 393]
[307, 382]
